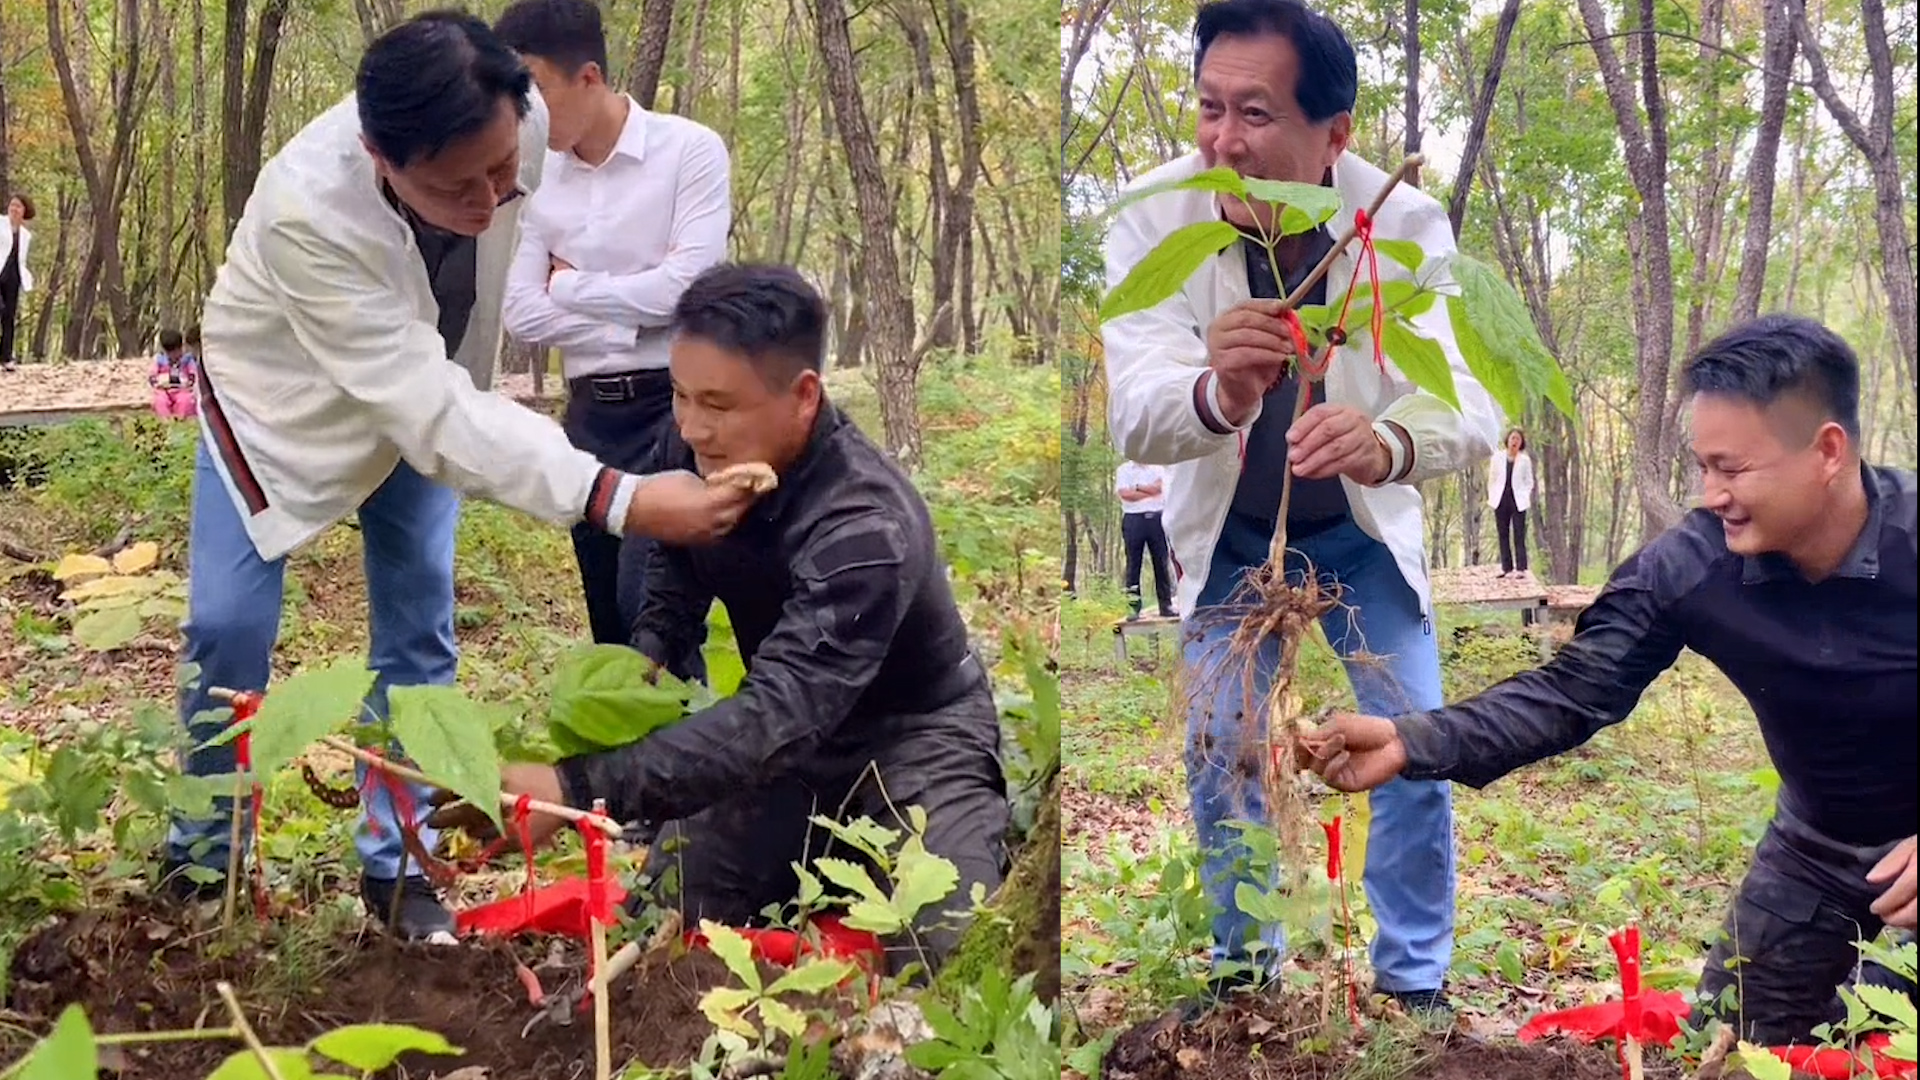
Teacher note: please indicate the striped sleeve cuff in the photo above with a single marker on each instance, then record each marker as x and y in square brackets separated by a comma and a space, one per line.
[1206, 403]
[608, 499]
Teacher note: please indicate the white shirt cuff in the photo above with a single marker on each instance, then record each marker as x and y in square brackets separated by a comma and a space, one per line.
[1218, 417]
[622, 499]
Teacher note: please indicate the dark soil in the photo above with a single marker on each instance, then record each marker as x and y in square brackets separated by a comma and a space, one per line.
[135, 971]
[1257, 1039]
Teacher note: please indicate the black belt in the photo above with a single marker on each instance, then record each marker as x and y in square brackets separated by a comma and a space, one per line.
[622, 386]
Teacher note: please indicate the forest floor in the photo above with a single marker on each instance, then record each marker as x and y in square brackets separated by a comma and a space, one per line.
[84, 731]
[1651, 822]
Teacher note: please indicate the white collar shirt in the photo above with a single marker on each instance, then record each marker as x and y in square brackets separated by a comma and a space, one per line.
[637, 228]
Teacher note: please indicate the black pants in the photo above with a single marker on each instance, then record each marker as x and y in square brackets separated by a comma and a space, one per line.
[1788, 940]
[9, 314]
[1142, 533]
[1511, 523]
[733, 860]
[620, 420]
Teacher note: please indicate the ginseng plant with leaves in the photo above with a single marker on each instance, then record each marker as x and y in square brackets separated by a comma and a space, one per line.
[1490, 324]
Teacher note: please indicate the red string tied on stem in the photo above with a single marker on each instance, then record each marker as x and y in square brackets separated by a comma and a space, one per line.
[246, 705]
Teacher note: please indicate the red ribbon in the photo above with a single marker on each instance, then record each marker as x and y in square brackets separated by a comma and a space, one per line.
[599, 906]
[1363, 229]
[523, 824]
[245, 705]
[1332, 829]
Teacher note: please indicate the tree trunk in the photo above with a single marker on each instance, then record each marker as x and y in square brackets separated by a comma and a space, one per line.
[244, 98]
[688, 87]
[889, 309]
[1652, 255]
[1875, 140]
[650, 51]
[1410, 41]
[1024, 933]
[956, 239]
[106, 180]
[1482, 113]
[1776, 60]
[69, 205]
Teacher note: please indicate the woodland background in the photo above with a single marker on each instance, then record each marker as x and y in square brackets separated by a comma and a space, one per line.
[887, 149]
[1646, 172]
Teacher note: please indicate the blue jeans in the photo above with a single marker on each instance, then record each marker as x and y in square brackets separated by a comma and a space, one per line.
[1409, 874]
[233, 619]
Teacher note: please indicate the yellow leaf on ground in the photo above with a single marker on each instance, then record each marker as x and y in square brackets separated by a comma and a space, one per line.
[116, 585]
[80, 566]
[138, 557]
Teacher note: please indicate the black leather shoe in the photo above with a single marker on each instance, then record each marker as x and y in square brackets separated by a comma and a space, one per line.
[1426, 1005]
[422, 915]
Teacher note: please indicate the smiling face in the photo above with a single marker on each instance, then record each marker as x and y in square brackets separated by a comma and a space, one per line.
[1251, 122]
[459, 188]
[1768, 472]
[730, 412]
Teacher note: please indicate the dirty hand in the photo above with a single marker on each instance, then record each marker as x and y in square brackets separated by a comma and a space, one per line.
[1337, 440]
[680, 508]
[1248, 348]
[1896, 905]
[541, 782]
[1352, 752]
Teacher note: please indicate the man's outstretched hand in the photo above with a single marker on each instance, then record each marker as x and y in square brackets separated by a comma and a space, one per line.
[1896, 871]
[680, 508]
[540, 782]
[1352, 752]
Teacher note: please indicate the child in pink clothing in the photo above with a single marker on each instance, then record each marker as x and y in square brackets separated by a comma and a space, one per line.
[172, 378]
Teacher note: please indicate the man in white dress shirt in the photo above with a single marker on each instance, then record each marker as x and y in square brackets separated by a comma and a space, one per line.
[633, 206]
[1143, 496]
[351, 338]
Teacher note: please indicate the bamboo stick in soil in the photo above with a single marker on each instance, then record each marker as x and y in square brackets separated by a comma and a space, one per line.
[602, 1020]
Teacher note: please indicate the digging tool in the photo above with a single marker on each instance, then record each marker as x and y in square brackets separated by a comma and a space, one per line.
[560, 1008]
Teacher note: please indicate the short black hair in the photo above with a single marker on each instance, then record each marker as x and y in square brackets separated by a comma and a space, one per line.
[764, 311]
[565, 33]
[1775, 356]
[170, 340]
[26, 204]
[1329, 81]
[434, 80]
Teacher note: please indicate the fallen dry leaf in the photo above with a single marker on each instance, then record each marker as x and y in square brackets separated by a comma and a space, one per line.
[137, 558]
[1188, 1058]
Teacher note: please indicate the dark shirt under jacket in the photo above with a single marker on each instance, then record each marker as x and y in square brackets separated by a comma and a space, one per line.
[1828, 668]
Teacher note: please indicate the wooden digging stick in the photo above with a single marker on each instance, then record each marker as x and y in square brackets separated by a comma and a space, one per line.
[602, 1021]
[538, 806]
[1277, 552]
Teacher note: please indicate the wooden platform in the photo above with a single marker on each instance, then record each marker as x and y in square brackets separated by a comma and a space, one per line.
[1148, 626]
[34, 394]
[1541, 605]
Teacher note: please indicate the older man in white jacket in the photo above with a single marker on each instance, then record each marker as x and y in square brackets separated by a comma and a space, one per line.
[1197, 384]
[350, 344]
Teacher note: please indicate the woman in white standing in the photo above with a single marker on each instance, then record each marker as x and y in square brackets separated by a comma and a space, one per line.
[15, 279]
[1510, 493]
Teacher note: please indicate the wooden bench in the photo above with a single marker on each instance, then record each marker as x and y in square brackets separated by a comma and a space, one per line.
[1147, 626]
[33, 395]
[1541, 605]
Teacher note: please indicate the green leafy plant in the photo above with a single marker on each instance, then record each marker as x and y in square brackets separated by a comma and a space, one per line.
[919, 877]
[1496, 336]
[72, 1049]
[998, 1030]
[607, 696]
[727, 1006]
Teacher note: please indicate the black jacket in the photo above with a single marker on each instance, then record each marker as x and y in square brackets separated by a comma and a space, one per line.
[1828, 667]
[841, 607]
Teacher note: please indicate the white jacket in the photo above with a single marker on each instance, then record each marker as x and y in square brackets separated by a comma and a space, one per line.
[323, 366]
[6, 250]
[1154, 357]
[1522, 479]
